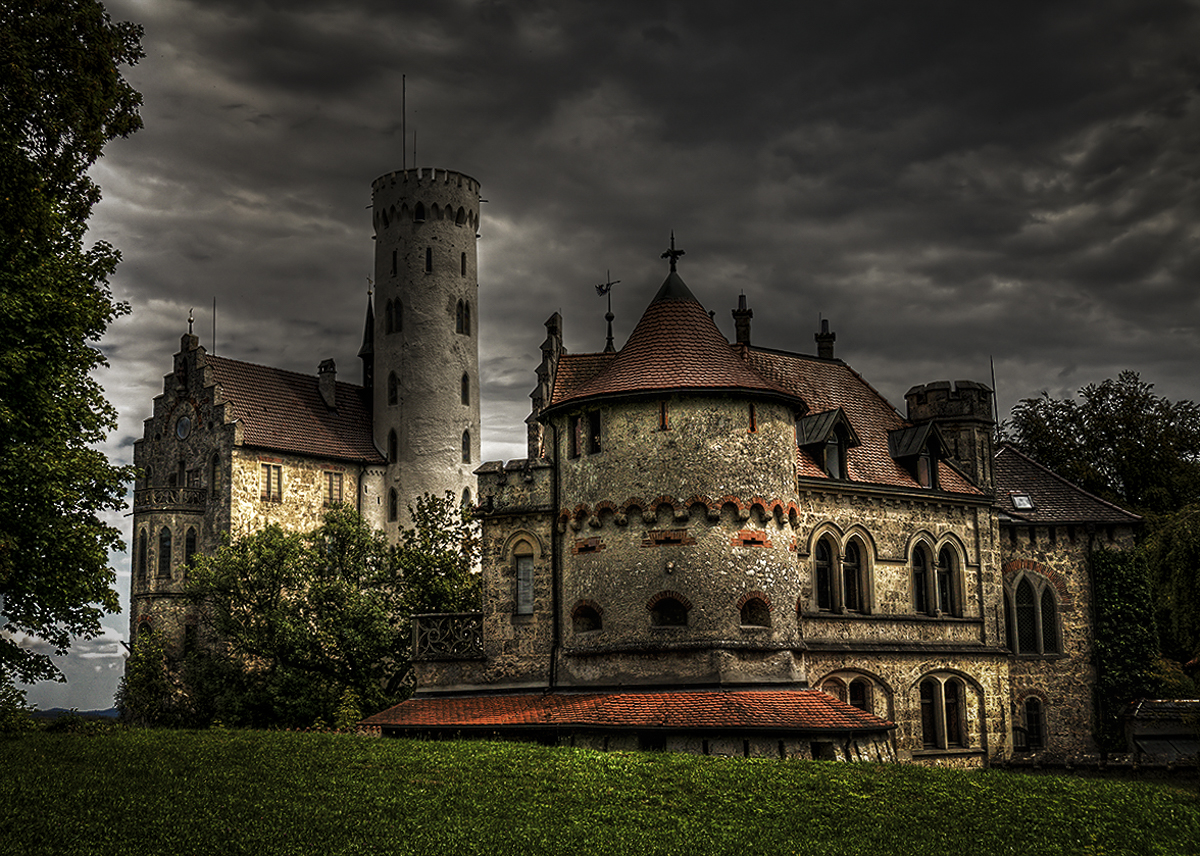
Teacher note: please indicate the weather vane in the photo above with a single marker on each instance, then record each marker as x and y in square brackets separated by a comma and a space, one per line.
[605, 289]
[672, 254]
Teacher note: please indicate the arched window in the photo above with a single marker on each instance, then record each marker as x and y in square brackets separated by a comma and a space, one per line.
[459, 319]
[943, 703]
[823, 575]
[466, 447]
[756, 613]
[393, 390]
[392, 448]
[164, 552]
[142, 567]
[523, 562]
[947, 589]
[464, 264]
[466, 388]
[834, 687]
[669, 611]
[189, 548]
[419, 212]
[852, 579]
[920, 580]
[393, 506]
[860, 694]
[585, 618]
[466, 497]
[1032, 618]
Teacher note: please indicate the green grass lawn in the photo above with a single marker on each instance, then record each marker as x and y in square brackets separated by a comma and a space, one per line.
[220, 792]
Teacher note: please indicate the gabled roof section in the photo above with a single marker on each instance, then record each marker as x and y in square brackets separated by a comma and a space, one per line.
[675, 346]
[805, 710]
[1054, 500]
[816, 428]
[827, 385]
[904, 443]
[283, 411]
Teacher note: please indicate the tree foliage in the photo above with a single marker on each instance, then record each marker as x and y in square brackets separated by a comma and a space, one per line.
[1173, 554]
[1119, 441]
[62, 98]
[315, 626]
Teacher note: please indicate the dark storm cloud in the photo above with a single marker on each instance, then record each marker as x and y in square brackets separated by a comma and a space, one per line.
[947, 183]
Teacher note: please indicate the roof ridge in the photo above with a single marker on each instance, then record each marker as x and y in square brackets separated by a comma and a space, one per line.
[1006, 446]
[278, 370]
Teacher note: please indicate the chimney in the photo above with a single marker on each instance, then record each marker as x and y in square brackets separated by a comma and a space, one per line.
[825, 341]
[327, 383]
[741, 321]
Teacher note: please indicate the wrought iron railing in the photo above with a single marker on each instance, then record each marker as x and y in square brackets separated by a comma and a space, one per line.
[448, 636]
[177, 498]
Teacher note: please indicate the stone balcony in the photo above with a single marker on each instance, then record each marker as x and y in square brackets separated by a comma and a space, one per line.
[184, 499]
[448, 636]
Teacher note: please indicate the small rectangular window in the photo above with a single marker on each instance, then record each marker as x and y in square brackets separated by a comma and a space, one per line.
[333, 488]
[272, 482]
[524, 585]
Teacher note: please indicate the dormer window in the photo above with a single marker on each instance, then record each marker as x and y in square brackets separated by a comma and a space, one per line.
[918, 448]
[827, 438]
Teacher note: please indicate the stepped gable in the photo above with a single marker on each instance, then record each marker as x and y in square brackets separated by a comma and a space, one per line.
[675, 346]
[804, 710]
[284, 411]
[829, 384]
[1056, 501]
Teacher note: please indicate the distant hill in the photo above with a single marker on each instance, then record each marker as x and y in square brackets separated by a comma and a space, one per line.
[56, 712]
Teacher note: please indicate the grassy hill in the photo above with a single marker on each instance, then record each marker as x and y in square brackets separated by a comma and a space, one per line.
[265, 793]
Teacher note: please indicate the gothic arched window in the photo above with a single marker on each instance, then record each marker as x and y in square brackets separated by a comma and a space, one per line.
[920, 580]
[392, 448]
[164, 552]
[1032, 618]
[823, 575]
[393, 506]
[852, 578]
[466, 447]
[947, 588]
[142, 567]
[466, 389]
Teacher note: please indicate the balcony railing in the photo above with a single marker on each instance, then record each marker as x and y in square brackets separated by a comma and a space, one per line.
[448, 636]
[170, 499]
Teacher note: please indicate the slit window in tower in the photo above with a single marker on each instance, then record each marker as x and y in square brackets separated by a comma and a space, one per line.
[464, 264]
[466, 447]
[393, 262]
[466, 389]
[593, 432]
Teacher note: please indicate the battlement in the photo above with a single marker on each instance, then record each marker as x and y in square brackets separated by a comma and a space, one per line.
[520, 486]
[425, 176]
[961, 399]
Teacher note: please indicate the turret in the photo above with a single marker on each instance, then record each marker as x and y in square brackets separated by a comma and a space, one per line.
[963, 413]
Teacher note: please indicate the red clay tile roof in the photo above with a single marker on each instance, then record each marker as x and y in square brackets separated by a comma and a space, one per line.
[1055, 500]
[284, 411]
[826, 385]
[791, 710]
[674, 346]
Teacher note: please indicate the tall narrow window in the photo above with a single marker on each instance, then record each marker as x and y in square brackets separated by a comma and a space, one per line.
[952, 691]
[164, 552]
[593, 432]
[1033, 619]
[524, 584]
[823, 571]
[189, 548]
[930, 738]
[662, 416]
[852, 577]
[459, 318]
[835, 456]
[141, 557]
[214, 475]
[419, 212]
[464, 264]
[387, 317]
[393, 262]
[860, 694]
[920, 580]
[393, 505]
[466, 447]
[925, 469]
[392, 447]
[467, 317]
[1049, 622]
[466, 389]
[393, 389]
[429, 260]
[753, 419]
[947, 602]
[1034, 731]
[333, 488]
[1027, 635]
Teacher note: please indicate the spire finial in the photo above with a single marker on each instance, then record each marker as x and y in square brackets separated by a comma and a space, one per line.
[370, 287]
[191, 321]
[605, 288]
[672, 254]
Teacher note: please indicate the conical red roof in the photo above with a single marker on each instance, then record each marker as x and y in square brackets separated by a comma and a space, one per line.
[675, 346]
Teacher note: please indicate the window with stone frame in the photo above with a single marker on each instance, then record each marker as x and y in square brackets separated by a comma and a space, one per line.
[860, 694]
[392, 447]
[465, 389]
[1035, 725]
[949, 600]
[466, 447]
[271, 483]
[393, 389]
[823, 571]
[333, 488]
[1031, 616]
[943, 706]
[164, 553]
[143, 550]
[853, 584]
[920, 580]
[523, 566]
[393, 506]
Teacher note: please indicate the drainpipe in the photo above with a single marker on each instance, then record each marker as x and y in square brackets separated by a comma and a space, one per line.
[555, 570]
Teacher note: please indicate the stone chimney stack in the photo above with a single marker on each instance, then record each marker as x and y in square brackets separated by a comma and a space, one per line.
[741, 320]
[327, 383]
[825, 341]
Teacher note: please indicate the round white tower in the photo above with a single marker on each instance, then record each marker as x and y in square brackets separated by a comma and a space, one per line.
[426, 343]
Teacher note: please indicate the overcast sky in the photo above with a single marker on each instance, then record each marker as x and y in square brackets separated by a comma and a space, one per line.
[947, 183]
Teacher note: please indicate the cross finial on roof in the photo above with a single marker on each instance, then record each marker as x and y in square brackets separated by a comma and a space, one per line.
[191, 321]
[605, 288]
[672, 254]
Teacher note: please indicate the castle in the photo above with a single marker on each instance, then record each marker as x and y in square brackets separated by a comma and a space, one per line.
[711, 546]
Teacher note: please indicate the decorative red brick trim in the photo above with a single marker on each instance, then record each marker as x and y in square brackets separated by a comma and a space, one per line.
[750, 538]
[1033, 693]
[1010, 569]
[587, 603]
[267, 459]
[664, 595]
[754, 595]
[587, 545]
[668, 538]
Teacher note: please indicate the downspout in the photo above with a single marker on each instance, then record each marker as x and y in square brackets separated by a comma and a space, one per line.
[555, 570]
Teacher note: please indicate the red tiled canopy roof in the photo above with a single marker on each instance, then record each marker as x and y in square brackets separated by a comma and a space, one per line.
[791, 710]
[1055, 500]
[674, 346]
[284, 411]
